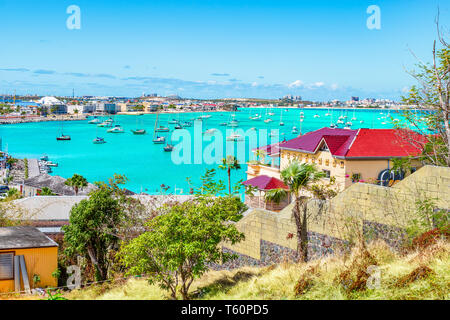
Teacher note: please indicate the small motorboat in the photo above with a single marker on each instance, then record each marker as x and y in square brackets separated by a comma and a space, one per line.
[233, 123]
[99, 140]
[210, 131]
[281, 124]
[139, 131]
[159, 140]
[94, 121]
[187, 124]
[162, 129]
[173, 121]
[294, 130]
[63, 138]
[44, 158]
[316, 116]
[224, 124]
[168, 148]
[234, 137]
[117, 129]
[178, 126]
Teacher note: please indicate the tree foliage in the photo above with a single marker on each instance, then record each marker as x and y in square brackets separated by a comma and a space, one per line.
[181, 243]
[77, 182]
[92, 229]
[431, 102]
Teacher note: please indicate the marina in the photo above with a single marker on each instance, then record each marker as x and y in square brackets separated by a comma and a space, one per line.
[146, 158]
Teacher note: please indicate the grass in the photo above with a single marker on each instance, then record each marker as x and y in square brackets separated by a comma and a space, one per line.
[423, 274]
[323, 279]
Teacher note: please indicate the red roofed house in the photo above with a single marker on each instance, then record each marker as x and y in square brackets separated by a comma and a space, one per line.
[348, 155]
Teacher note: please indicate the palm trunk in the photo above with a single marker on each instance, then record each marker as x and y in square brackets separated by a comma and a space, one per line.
[229, 180]
[302, 228]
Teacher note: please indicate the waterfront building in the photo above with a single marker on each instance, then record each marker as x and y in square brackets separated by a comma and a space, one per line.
[110, 108]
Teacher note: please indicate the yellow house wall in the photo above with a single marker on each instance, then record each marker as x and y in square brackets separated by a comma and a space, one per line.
[40, 261]
[323, 161]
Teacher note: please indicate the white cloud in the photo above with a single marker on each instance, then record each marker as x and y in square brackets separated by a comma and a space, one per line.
[318, 84]
[296, 84]
[254, 84]
[334, 86]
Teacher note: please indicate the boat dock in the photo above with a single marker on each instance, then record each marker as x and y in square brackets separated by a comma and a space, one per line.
[33, 168]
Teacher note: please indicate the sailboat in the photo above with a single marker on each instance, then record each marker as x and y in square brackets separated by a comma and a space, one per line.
[138, 131]
[157, 139]
[332, 125]
[233, 122]
[281, 119]
[63, 137]
[328, 113]
[354, 116]
[168, 147]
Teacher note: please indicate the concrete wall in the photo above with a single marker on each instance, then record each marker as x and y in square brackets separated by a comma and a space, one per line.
[362, 209]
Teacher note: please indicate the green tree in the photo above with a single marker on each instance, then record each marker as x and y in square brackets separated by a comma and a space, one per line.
[230, 163]
[46, 192]
[182, 242]
[77, 182]
[92, 229]
[300, 179]
[431, 103]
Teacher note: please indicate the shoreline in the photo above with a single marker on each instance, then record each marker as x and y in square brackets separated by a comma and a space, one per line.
[5, 121]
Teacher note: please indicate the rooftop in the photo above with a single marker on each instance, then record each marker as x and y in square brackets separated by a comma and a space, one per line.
[264, 182]
[24, 237]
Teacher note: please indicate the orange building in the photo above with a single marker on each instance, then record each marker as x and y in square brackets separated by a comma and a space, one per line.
[40, 255]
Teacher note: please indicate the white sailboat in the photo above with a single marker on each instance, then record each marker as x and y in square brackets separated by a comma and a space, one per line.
[156, 138]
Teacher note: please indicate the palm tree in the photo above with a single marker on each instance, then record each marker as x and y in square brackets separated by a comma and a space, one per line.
[298, 177]
[229, 163]
[76, 182]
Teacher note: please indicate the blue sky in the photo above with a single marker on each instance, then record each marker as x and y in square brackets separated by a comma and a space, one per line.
[318, 49]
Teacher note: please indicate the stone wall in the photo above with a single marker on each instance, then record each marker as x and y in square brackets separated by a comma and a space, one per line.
[365, 210]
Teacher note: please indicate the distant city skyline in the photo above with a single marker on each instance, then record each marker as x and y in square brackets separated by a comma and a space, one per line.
[319, 50]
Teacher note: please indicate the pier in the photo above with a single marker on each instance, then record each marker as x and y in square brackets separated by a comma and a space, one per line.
[33, 168]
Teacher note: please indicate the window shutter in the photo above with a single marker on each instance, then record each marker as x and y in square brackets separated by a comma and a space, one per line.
[6, 266]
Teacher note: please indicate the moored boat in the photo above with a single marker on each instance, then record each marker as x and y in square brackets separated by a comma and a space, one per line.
[99, 140]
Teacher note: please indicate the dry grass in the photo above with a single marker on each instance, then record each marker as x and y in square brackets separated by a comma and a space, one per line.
[423, 274]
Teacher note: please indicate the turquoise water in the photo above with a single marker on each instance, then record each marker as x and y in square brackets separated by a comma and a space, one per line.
[145, 164]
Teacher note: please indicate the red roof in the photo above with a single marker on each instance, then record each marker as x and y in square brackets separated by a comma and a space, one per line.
[338, 141]
[362, 143]
[266, 183]
[384, 143]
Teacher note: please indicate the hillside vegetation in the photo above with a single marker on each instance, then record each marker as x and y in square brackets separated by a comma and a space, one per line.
[423, 274]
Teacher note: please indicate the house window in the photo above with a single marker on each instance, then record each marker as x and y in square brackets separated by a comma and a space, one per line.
[7, 266]
[356, 177]
[320, 161]
[334, 164]
[324, 147]
[327, 173]
[342, 164]
[327, 162]
[313, 160]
